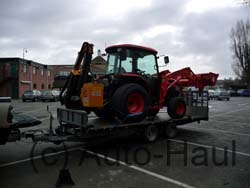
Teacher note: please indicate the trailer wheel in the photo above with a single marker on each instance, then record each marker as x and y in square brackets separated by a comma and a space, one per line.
[130, 103]
[176, 107]
[151, 133]
[171, 130]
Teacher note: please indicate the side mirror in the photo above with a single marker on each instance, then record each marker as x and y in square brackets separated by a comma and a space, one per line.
[166, 60]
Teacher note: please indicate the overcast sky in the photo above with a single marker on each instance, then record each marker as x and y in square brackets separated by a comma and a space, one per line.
[193, 33]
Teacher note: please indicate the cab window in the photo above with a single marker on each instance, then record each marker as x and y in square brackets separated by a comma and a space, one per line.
[147, 64]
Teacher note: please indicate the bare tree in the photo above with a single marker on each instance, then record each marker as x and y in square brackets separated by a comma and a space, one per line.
[240, 38]
[245, 2]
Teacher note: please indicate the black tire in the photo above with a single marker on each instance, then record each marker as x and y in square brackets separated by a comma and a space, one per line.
[104, 113]
[35, 99]
[4, 134]
[228, 99]
[151, 133]
[153, 113]
[176, 108]
[172, 93]
[24, 100]
[130, 103]
[171, 130]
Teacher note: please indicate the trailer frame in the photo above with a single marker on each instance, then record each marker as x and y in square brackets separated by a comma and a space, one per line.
[78, 126]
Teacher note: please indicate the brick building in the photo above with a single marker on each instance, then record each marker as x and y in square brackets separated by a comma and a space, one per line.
[18, 75]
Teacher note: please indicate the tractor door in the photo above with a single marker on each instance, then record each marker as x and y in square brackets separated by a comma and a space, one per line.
[147, 67]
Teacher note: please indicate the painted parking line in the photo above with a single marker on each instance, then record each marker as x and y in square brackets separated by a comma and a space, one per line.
[238, 117]
[218, 130]
[229, 112]
[243, 104]
[37, 157]
[23, 107]
[30, 105]
[44, 119]
[210, 147]
[158, 176]
[37, 110]
[230, 122]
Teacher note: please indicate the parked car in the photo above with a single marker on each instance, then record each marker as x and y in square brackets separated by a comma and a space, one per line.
[221, 95]
[5, 118]
[240, 91]
[33, 95]
[50, 95]
[210, 93]
[233, 92]
[11, 123]
[245, 93]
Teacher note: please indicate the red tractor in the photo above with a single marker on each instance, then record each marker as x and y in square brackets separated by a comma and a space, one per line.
[132, 88]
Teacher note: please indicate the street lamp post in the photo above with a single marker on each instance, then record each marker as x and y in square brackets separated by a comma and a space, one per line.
[24, 51]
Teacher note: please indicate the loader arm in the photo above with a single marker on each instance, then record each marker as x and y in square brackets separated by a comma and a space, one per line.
[70, 94]
[185, 78]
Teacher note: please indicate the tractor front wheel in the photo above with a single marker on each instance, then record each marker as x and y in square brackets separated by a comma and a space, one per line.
[131, 103]
[176, 107]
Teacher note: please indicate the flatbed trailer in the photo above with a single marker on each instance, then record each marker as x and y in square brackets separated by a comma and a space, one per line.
[78, 126]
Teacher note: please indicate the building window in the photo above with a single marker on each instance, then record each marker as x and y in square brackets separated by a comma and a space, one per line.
[34, 70]
[24, 68]
[41, 72]
[48, 72]
[62, 73]
[42, 86]
[49, 86]
[34, 86]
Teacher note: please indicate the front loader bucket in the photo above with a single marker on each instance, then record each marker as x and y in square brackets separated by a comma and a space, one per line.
[207, 79]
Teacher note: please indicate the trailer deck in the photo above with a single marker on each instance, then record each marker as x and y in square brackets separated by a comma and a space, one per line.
[77, 125]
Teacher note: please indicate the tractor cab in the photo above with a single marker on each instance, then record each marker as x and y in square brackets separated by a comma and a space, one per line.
[133, 63]
[131, 59]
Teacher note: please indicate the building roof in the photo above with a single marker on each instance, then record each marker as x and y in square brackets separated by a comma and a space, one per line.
[24, 61]
[99, 60]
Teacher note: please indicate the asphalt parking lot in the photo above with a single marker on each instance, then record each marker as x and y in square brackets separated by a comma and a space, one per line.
[215, 154]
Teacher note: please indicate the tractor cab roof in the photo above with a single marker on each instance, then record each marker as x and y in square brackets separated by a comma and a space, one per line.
[131, 46]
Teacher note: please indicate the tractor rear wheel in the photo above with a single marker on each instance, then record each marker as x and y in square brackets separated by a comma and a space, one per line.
[130, 103]
[176, 107]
